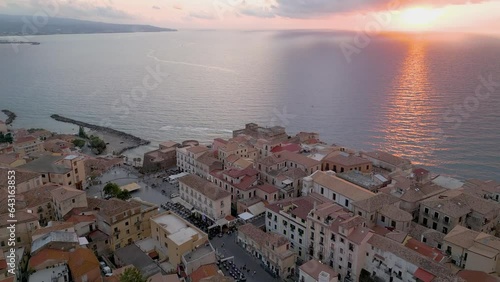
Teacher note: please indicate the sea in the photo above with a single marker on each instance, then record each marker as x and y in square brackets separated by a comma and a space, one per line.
[432, 98]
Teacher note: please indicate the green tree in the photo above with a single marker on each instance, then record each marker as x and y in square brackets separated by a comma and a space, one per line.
[7, 138]
[79, 143]
[112, 189]
[81, 133]
[132, 274]
[123, 195]
[98, 144]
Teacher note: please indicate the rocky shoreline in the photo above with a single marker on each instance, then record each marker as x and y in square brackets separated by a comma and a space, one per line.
[10, 116]
[132, 141]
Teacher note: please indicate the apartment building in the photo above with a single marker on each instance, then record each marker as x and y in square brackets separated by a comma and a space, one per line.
[340, 162]
[410, 193]
[286, 170]
[239, 149]
[120, 220]
[275, 133]
[241, 183]
[387, 161]
[473, 250]
[271, 249]
[388, 260]
[162, 158]
[206, 163]
[28, 145]
[205, 196]
[289, 218]
[26, 224]
[383, 210]
[66, 198]
[25, 180]
[176, 236]
[268, 193]
[315, 271]
[187, 155]
[336, 189]
[338, 238]
[454, 207]
[483, 189]
[64, 170]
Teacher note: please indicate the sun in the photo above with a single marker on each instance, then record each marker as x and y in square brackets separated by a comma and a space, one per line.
[420, 17]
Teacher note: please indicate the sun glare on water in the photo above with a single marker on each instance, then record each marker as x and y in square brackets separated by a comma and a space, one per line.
[420, 17]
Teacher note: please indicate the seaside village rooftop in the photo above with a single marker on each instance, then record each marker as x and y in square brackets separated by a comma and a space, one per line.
[293, 206]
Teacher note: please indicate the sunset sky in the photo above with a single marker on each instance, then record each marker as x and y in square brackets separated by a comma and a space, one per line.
[408, 15]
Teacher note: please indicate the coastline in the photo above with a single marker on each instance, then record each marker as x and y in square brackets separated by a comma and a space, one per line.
[118, 142]
[11, 116]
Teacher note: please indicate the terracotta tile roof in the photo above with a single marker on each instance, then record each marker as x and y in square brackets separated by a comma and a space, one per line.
[111, 207]
[299, 159]
[375, 202]
[82, 261]
[341, 186]
[197, 149]
[346, 159]
[359, 235]
[300, 207]
[456, 203]
[314, 267]
[236, 173]
[21, 217]
[387, 158]
[439, 270]
[425, 250]
[56, 226]
[476, 276]
[25, 139]
[205, 187]
[38, 196]
[21, 175]
[395, 213]
[267, 188]
[204, 271]
[45, 255]
[261, 237]
[64, 193]
[7, 159]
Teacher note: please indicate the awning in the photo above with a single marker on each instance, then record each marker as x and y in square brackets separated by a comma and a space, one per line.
[246, 216]
[219, 223]
[182, 202]
[83, 241]
[424, 275]
[257, 209]
[131, 187]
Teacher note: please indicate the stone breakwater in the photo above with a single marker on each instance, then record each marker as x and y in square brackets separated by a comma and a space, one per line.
[10, 116]
[131, 140]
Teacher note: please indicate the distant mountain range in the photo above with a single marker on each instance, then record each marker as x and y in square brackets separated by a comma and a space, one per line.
[15, 25]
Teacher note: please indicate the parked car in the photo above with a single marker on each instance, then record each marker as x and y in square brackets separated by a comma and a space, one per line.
[174, 195]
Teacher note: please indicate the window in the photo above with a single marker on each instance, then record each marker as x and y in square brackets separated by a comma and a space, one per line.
[465, 257]
[382, 218]
[334, 196]
[426, 211]
[448, 249]
[322, 190]
[349, 265]
[445, 230]
[73, 201]
[346, 202]
[341, 240]
[126, 223]
[393, 223]
[446, 219]
[424, 222]
[360, 213]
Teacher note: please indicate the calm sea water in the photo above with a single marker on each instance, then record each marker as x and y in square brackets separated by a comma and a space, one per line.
[413, 96]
